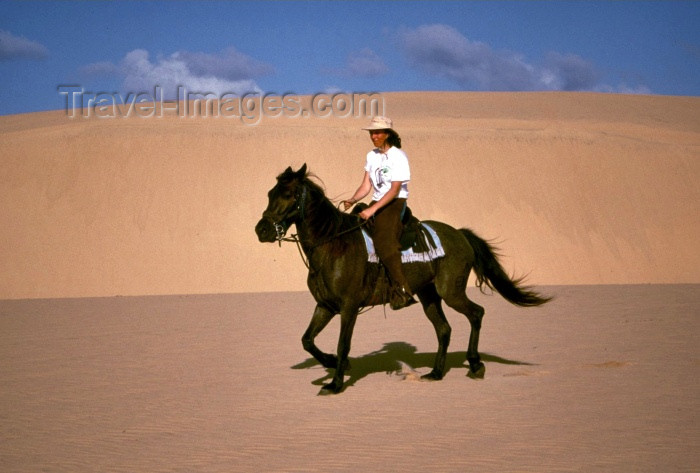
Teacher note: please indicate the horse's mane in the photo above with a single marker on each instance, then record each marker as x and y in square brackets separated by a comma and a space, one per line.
[322, 216]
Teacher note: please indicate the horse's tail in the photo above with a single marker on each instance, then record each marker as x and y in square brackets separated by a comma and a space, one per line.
[490, 272]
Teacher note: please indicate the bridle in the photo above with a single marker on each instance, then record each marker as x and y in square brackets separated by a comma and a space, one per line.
[283, 225]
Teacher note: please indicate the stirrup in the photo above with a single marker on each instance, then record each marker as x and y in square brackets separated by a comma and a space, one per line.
[401, 298]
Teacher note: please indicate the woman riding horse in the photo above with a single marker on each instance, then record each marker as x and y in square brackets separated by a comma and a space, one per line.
[386, 173]
[342, 280]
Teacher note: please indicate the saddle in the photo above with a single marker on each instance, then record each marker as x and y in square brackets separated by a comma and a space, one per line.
[410, 232]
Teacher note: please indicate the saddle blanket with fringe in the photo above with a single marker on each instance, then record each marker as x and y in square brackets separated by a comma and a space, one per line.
[432, 250]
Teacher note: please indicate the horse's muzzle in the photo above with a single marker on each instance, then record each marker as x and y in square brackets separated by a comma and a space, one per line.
[265, 229]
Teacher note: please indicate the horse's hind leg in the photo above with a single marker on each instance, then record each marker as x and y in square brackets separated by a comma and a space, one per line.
[432, 306]
[475, 315]
[457, 299]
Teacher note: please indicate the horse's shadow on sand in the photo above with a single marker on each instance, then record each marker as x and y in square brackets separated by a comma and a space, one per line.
[389, 360]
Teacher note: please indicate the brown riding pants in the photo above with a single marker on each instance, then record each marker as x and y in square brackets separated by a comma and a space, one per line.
[386, 232]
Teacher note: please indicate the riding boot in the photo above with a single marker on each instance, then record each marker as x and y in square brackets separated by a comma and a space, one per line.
[401, 295]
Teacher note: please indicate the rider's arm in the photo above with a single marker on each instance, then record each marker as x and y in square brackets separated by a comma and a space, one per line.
[360, 193]
[391, 194]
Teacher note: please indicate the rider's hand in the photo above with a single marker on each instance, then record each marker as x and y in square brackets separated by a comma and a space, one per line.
[348, 203]
[366, 214]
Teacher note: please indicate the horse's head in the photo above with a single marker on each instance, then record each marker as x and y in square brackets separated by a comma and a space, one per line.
[284, 207]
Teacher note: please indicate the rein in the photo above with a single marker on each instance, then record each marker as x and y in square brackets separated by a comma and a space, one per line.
[295, 239]
[280, 230]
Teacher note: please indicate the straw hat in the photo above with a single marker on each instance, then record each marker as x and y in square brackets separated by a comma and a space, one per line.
[380, 123]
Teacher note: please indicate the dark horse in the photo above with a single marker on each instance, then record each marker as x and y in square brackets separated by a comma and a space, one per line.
[342, 281]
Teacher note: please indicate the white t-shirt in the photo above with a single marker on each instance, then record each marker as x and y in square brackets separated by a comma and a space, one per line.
[385, 168]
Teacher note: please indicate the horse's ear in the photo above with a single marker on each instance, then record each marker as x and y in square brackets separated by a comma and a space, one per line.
[288, 170]
[302, 171]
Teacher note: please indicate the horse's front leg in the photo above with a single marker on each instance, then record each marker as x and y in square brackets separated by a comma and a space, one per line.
[318, 322]
[348, 316]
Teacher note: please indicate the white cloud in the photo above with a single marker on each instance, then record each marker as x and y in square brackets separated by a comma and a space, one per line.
[570, 72]
[441, 50]
[229, 72]
[17, 47]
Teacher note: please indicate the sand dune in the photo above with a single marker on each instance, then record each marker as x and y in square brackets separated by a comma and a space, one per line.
[577, 188]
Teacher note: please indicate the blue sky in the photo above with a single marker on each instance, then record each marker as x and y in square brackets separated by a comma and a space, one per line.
[319, 47]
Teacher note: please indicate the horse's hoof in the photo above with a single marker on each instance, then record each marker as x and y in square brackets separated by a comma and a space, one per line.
[329, 388]
[432, 376]
[477, 373]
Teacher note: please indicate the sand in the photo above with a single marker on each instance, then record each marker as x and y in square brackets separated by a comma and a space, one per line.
[603, 379]
[143, 328]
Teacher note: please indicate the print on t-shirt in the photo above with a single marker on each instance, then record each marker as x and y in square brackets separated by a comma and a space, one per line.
[381, 176]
